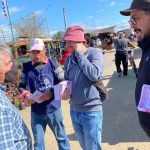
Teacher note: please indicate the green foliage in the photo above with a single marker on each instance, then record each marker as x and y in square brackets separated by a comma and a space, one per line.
[58, 35]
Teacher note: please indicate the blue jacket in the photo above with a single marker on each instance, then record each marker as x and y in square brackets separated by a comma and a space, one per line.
[84, 69]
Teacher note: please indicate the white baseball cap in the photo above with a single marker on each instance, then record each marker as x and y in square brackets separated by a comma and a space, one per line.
[36, 44]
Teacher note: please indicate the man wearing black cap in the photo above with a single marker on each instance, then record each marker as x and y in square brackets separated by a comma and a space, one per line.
[139, 13]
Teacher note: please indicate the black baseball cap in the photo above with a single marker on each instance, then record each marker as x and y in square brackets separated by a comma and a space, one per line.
[136, 5]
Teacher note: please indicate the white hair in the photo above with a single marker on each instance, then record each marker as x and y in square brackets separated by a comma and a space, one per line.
[4, 48]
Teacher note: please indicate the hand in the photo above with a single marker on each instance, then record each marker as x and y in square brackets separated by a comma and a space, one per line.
[27, 102]
[24, 99]
[46, 95]
[24, 94]
[66, 96]
[39, 97]
[80, 47]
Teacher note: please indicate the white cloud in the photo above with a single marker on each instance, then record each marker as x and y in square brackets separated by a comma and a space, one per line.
[6, 32]
[80, 24]
[101, 0]
[121, 3]
[2, 15]
[14, 9]
[90, 17]
[100, 10]
[5, 28]
[38, 12]
[123, 24]
[113, 3]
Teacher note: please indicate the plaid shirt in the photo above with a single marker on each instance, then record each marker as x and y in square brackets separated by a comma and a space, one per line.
[14, 134]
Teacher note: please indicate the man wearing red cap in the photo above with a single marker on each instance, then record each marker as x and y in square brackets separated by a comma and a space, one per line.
[139, 13]
[84, 67]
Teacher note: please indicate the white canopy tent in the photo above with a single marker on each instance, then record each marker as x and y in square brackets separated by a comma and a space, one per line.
[97, 31]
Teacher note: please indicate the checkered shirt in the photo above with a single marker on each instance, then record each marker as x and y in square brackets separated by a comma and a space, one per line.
[14, 134]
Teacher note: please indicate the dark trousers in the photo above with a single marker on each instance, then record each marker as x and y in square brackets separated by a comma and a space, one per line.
[144, 119]
[121, 57]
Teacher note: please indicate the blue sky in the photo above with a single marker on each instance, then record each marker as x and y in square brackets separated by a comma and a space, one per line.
[88, 13]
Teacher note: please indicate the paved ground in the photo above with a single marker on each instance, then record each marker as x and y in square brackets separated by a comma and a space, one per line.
[121, 130]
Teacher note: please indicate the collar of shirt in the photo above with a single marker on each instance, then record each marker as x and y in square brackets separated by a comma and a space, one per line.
[2, 87]
[44, 60]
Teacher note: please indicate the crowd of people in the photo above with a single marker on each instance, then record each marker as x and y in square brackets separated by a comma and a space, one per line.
[84, 64]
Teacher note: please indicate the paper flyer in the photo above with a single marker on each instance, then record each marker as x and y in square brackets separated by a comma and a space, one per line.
[36, 96]
[62, 89]
[144, 103]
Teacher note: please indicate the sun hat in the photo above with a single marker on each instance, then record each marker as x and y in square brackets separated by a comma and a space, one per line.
[74, 33]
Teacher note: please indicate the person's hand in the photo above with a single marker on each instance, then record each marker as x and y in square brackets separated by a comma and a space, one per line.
[27, 102]
[24, 99]
[46, 95]
[80, 47]
[39, 97]
[24, 94]
[66, 95]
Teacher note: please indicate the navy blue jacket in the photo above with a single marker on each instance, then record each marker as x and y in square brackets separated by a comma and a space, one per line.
[42, 77]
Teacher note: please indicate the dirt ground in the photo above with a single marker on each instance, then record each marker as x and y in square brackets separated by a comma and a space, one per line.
[121, 129]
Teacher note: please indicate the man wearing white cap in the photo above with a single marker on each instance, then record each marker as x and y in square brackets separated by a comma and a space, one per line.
[139, 13]
[41, 74]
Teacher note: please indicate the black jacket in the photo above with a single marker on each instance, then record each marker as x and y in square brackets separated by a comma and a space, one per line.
[143, 78]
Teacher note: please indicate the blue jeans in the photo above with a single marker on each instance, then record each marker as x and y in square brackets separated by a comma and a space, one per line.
[55, 122]
[88, 129]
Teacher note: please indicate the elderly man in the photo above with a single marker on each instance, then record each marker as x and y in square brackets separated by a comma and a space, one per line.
[139, 13]
[41, 74]
[84, 67]
[14, 134]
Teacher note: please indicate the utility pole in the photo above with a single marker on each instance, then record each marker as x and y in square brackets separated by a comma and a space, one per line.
[65, 20]
[47, 26]
[46, 17]
[10, 22]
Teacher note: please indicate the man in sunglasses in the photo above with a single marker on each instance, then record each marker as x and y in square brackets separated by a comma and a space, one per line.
[139, 13]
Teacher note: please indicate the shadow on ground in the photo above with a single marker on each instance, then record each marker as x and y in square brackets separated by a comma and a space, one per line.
[120, 123]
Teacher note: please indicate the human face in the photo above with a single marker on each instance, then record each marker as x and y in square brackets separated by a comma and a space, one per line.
[7, 63]
[37, 56]
[6, 66]
[70, 45]
[140, 20]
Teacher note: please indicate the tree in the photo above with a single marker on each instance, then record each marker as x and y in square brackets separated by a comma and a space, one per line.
[30, 26]
[57, 35]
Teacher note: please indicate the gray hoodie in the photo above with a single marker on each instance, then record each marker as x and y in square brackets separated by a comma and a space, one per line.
[84, 69]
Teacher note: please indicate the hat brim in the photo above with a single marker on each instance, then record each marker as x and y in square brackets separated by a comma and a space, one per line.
[126, 12]
[36, 48]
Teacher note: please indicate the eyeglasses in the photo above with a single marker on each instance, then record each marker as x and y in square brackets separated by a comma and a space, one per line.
[133, 19]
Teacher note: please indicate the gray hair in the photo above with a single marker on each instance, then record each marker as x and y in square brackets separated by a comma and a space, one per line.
[4, 48]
